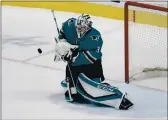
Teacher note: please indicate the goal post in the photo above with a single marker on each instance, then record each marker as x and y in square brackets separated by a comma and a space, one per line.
[145, 32]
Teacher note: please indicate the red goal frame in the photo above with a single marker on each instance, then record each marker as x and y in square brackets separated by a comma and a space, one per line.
[126, 29]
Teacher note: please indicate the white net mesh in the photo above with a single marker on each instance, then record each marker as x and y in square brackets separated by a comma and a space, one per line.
[147, 38]
[157, 3]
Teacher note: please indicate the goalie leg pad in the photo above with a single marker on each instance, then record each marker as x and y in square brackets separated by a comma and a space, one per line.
[99, 93]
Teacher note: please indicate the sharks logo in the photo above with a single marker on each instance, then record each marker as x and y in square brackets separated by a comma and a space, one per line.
[95, 37]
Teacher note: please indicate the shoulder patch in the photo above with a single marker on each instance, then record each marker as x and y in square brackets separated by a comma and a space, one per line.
[95, 37]
[70, 21]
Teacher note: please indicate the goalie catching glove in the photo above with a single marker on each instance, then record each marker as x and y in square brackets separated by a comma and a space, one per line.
[65, 51]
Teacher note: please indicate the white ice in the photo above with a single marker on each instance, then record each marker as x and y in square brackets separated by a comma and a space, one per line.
[31, 82]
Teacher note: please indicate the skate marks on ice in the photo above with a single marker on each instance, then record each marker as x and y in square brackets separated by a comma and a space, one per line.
[41, 89]
[28, 44]
[23, 41]
[37, 88]
[149, 103]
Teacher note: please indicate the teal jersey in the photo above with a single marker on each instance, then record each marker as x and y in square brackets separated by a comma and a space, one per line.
[90, 44]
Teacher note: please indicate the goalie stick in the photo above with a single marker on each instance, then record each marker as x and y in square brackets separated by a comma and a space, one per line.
[55, 20]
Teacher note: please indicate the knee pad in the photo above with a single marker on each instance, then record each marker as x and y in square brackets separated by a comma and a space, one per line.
[64, 84]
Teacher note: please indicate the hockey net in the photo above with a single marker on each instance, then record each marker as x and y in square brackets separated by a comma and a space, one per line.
[145, 40]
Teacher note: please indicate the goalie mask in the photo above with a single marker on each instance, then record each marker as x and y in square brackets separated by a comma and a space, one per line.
[83, 24]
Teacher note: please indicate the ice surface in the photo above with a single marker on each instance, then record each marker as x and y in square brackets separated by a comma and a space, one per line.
[31, 82]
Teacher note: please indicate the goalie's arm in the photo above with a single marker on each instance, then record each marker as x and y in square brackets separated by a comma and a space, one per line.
[61, 34]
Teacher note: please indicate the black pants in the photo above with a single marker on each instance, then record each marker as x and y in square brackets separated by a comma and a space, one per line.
[91, 71]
